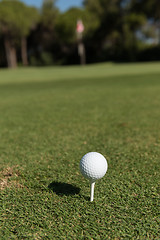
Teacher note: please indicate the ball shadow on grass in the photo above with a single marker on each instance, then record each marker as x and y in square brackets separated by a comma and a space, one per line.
[61, 188]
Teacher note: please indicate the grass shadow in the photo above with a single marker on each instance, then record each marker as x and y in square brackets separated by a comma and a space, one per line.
[61, 188]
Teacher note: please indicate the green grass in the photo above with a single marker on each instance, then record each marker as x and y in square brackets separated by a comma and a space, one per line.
[51, 117]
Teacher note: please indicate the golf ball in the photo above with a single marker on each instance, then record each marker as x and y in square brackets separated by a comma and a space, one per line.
[93, 166]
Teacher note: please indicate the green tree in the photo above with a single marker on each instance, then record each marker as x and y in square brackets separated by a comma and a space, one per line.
[118, 24]
[49, 13]
[151, 8]
[16, 19]
[30, 20]
[106, 35]
[43, 38]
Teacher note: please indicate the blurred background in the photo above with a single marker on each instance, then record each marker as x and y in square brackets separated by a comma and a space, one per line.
[43, 33]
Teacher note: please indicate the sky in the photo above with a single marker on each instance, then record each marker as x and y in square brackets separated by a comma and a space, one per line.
[63, 5]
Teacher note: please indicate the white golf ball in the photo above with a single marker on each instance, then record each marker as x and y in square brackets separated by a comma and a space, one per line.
[93, 166]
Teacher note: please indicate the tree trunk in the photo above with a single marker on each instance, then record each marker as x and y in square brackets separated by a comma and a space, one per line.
[24, 51]
[10, 53]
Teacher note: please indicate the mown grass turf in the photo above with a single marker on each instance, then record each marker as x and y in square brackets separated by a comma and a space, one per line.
[51, 117]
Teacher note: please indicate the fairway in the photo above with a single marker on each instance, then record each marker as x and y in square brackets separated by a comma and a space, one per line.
[49, 118]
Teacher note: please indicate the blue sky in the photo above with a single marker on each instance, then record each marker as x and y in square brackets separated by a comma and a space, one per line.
[63, 5]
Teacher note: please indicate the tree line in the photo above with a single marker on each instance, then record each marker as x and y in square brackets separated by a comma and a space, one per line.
[115, 30]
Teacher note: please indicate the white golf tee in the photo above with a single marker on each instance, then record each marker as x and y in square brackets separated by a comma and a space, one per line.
[92, 191]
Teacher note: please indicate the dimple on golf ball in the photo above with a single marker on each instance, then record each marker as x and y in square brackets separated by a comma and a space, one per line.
[93, 166]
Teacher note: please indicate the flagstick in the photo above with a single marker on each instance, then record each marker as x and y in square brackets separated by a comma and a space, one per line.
[92, 191]
[81, 47]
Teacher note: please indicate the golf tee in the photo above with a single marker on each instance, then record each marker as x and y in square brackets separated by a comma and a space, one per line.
[92, 191]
